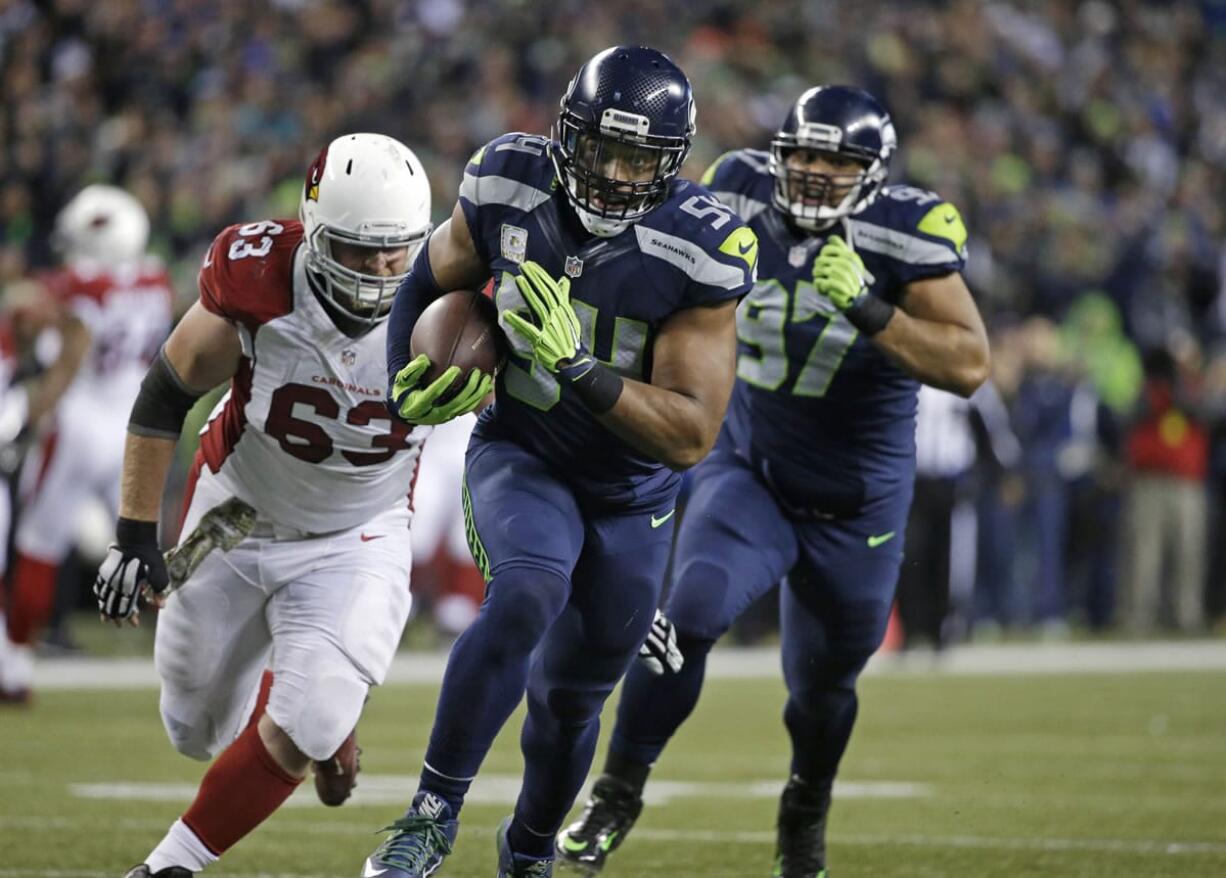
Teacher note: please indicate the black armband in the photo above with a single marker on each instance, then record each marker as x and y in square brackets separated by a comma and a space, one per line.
[597, 386]
[131, 532]
[869, 314]
[163, 402]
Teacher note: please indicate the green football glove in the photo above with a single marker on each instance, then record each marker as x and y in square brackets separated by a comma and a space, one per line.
[556, 340]
[839, 273]
[419, 405]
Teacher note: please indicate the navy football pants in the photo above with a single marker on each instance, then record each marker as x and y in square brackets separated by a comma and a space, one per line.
[735, 543]
[571, 594]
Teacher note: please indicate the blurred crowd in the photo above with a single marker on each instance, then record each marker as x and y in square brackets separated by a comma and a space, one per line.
[1085, 143]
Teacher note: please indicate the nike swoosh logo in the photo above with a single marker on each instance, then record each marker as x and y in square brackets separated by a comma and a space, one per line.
[208, 257]
[951, 218]
[369, 870]
[573, 845]
[745, 248]
[366, 539]
[656, 522]
[608, 842]
[874, 542]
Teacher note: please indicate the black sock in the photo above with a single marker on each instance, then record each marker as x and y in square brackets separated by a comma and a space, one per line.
[627, 771]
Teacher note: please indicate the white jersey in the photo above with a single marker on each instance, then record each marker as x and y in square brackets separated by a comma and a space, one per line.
[303, 434]
[127, 311]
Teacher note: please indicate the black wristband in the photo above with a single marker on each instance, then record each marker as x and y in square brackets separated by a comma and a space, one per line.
[131, 532]
[597, 386]
[869, 314]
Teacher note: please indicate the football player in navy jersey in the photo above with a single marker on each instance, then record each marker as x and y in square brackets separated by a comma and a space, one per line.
[859, 300]
[617, 285]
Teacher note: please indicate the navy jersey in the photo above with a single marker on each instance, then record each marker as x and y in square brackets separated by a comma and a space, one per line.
[824, 412]
[688, 252]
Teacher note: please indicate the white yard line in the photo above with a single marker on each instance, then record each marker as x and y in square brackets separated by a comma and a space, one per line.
[502, 789]
[758, 663]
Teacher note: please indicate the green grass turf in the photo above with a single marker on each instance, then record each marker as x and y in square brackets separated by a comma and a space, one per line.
[1060, 776]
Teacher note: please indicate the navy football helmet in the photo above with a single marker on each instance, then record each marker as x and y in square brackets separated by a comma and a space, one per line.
[847, 122]
[624, 129]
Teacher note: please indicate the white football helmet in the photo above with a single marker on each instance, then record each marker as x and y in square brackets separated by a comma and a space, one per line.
[367, 190]
[104, 225]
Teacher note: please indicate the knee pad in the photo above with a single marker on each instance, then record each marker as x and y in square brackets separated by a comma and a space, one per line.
[521, 605]
[318, 711]
[191, 732]
[700, 604]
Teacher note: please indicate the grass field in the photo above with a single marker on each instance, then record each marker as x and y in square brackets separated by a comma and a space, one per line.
[1065, 775]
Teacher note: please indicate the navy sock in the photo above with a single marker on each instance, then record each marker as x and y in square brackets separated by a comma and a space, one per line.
[529, 842]
[653, 708]
[820, 728]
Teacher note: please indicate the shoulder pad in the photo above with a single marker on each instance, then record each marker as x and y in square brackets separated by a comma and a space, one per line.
[701, 236]
[912, 225]
[514, 170]
[741, 179]
[247, 275]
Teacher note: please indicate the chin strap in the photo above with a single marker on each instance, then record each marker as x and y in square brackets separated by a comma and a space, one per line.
[599, 225]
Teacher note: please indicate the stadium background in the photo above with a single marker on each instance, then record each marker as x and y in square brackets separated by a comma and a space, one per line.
[1085, 143]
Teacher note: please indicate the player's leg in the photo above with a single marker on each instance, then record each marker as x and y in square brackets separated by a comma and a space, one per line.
[526, 532]
[727, 554]
[617, 588]
[211, 647]
[834, 611]
[54, 483]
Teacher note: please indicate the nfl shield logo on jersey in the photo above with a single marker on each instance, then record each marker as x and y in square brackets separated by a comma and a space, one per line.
[574, 266]
[796, 256]
[514, 243]
[348, 358]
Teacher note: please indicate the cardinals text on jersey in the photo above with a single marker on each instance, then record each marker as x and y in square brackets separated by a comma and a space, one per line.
[303, 434]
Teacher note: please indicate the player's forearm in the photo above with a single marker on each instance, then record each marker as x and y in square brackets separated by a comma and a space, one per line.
[146, 460]
[157, 419]
[49, 387]
[944, 355]
[415, 293]
[668, 426]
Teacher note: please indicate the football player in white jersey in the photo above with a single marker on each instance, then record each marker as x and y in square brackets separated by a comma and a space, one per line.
[303, 462]
[115, 304]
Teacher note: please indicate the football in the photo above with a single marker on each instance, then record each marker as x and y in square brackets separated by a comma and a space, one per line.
[459, 329]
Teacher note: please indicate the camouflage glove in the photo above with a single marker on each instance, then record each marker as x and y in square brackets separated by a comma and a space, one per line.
[839, 273]
[420, 405]
[556, 341]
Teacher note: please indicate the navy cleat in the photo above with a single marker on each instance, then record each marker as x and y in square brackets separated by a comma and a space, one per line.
[419, 842]
[143, 871]
[611, 810]
[513, 865]
[800, 850]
